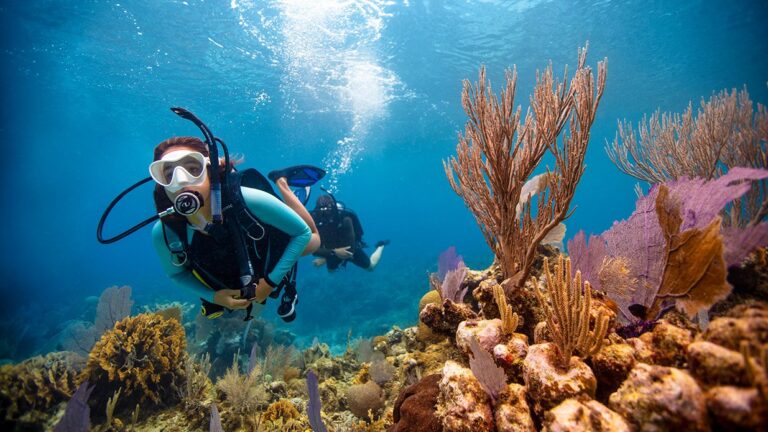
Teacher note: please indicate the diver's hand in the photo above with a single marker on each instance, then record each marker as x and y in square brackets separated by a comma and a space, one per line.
[229, 298]
[262, 291]
[343, 252]
[317, 262]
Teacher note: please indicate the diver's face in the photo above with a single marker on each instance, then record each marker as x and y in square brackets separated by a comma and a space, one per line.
[204, 188]
[326, 211]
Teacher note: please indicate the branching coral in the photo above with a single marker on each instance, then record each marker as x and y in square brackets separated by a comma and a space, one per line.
[274, 360]
[725, 133]
[141, 354]
[568, 315]
[241, 393]
[498, 153]
[509, 319]
[196, 389]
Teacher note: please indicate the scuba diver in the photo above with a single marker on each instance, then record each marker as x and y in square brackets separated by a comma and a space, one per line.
[341, 236]
[225, 233]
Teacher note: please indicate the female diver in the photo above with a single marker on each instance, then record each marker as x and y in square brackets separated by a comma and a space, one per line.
[272, 234]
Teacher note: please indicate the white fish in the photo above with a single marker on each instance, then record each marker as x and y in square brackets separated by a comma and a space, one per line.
[533, 186]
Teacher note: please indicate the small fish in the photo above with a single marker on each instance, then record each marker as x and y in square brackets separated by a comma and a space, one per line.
[533, 186]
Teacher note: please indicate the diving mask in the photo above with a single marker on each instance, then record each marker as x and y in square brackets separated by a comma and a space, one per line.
[179, 169]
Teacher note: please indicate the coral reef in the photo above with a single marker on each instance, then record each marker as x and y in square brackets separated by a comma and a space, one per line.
[365, 400]
[573, 415]
[511, 411]
[522, 345]
[30, 390]
[548, 384]
[660, 398]
[463, 404]
[114, 304]
[414, 409]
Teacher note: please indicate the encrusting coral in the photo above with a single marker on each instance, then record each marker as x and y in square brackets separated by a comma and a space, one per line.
[142, 355]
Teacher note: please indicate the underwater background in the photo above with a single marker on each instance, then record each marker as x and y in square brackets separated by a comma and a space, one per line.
[369, 90]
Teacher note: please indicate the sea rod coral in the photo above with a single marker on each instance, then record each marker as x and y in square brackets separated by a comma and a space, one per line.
[498, 153]
[725, 133]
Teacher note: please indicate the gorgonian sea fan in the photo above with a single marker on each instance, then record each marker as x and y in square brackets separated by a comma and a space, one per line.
[451, 288]
[447, 261]
[491, 377]
[641, 243]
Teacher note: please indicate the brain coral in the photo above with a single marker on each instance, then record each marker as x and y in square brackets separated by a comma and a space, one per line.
[144, 355]
[365, 398]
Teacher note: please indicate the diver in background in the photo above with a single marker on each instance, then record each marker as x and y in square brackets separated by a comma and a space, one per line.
[207, 262]
[341, 236]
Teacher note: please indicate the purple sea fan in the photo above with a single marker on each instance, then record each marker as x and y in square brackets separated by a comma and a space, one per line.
[313, 407]
[642, 248]
[451, 289]
[448, 261]
[77, 417]
[215, 425]
[491, 377]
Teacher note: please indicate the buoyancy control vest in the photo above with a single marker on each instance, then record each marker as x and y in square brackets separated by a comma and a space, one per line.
[214, 259]
[330, 224]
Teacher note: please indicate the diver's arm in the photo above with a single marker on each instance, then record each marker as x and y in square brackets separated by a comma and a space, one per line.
[178, 274]
[323, 252]
[274, 212]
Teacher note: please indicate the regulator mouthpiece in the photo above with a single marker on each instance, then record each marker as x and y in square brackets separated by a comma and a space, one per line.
[188, 203]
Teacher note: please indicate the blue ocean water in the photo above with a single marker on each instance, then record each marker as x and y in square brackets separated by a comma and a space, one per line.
[369, 89]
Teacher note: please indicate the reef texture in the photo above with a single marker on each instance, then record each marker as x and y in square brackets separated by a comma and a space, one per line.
[511, 411]
[414, 409]
[462, 403]
[548, 384]
[591, 416]
[734, 408]
[660, 398]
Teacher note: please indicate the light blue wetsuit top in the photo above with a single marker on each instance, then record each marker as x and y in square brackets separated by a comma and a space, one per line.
[269, 210]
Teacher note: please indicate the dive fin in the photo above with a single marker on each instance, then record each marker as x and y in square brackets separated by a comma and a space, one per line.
[298, 175]
[303, 194]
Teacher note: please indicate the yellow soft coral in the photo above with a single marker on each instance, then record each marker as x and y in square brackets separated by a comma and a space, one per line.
[282, 409]
[144, 355]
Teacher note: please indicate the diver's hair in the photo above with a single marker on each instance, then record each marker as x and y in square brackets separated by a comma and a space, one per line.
[324, 201]
[191, 142]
